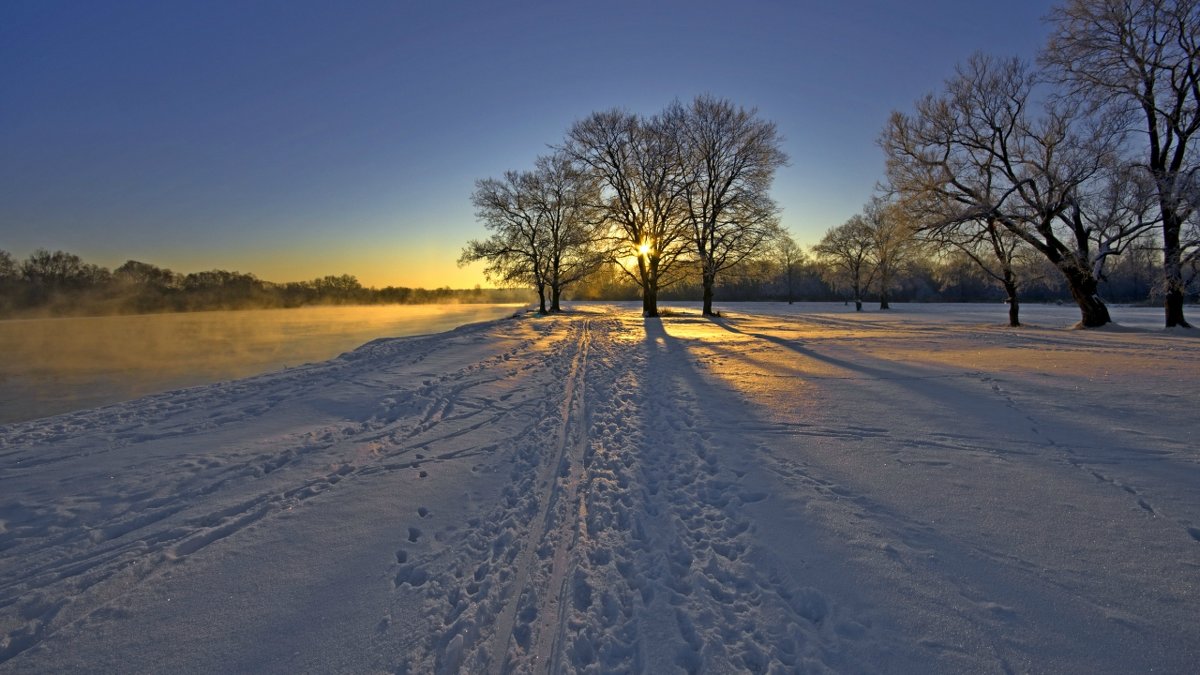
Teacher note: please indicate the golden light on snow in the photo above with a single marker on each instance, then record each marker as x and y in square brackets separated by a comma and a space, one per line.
[895, 440]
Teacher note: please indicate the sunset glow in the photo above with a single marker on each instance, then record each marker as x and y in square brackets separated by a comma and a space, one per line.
[347, 141]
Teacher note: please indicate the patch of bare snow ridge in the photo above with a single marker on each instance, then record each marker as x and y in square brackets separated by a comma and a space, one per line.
[784, 489]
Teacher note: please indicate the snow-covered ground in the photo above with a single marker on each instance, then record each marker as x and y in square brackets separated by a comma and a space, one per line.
[784, 489]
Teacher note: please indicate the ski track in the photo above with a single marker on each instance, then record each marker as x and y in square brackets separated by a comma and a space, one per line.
[633, 498]
[79, 554]
[623, 545]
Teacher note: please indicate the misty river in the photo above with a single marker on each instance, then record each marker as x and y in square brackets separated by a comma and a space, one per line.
[52, 366]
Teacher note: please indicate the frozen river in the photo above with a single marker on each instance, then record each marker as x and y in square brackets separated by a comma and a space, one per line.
[51, 366]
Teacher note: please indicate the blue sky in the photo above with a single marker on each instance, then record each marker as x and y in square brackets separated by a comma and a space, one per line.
[298, 139]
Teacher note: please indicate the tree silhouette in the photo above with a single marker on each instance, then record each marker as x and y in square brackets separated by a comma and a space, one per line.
[636, 162]
[515, 253]
[729, 159]
[544, 229]
[846, 250]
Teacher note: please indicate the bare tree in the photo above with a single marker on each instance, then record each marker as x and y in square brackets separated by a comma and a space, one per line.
[846, 251]
[1118, 212]
[516, 251]
[975, 152]
[48, 273]
[893, 243]
[637, 165]
[993, 250]
[544, 229]
[1142, 58]
[729, 160]
[788, 255]
[8, 267]
[563, 197]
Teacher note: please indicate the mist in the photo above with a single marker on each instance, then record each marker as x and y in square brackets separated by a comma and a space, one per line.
[55, 365]
[62, 284]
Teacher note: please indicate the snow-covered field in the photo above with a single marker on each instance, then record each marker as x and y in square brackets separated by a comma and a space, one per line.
[784, 489]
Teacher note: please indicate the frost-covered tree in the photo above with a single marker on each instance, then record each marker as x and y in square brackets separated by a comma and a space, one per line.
[845, 251]
[893, 244]
[991, 248]
[1141, 59]
[789, 257]
[564, 196]
[977, 152]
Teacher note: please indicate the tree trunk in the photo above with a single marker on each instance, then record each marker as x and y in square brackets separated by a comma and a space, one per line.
[857, 305]
[1173, 271]
[541, 289]
[709, 280]
[555, 285]
[650, 288]
[1093, 311]
[1014, 306]
[1174, 308]
[883, 301]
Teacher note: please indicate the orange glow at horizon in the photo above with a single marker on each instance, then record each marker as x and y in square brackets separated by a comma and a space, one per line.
[425, 265]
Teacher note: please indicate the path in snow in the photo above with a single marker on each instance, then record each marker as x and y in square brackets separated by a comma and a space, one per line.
[599, 492]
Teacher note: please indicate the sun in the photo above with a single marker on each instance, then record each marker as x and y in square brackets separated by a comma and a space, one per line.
[644, 250]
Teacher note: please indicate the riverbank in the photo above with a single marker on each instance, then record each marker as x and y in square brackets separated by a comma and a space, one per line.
[59, 365]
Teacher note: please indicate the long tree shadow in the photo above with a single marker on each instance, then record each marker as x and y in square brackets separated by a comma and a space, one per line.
[970, 563]
[748, 442]
[999, 413]
[726, 324]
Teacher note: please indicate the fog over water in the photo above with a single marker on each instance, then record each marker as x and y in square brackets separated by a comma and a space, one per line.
[52, 366]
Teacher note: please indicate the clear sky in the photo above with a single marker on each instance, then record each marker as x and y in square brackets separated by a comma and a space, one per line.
[296, 139]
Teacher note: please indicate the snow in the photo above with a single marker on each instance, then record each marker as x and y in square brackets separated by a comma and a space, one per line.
[783, 489]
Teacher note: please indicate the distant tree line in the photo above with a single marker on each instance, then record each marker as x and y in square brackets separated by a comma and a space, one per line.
[786, 272]
[61, 283]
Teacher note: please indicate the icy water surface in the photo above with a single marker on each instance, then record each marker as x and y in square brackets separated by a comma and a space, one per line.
[52, 366]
